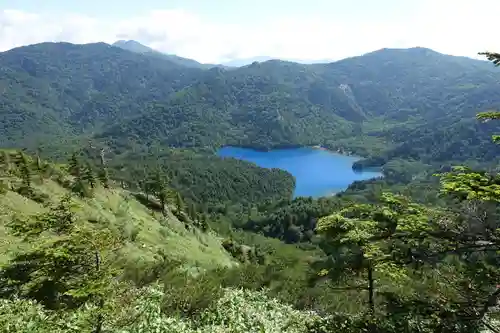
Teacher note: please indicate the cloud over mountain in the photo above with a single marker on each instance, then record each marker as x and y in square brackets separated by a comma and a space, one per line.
[454, 27]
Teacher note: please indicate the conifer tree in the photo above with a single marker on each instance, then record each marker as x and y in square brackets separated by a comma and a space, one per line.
[65, 269]
[81, 175]
[204, 222]
[25, 172]
[4, 171]
[103, 176]
[192, 211]
[81, 188]
[5, 162]
[159, 187]
[74, 166]
[88, 175]
[179, 203]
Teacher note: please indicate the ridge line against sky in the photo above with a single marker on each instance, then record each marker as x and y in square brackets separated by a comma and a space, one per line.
[222, 30]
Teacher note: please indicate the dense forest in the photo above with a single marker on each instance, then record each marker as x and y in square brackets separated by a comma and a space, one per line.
[413, 103]
[116, 215]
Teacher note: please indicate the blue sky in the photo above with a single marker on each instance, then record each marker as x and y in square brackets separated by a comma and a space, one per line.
[220, 30]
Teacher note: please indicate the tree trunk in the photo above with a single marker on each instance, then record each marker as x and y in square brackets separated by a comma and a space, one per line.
[371, 302]
[162, 203]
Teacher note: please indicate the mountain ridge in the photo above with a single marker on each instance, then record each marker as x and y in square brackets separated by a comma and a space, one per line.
[134, 46]
[96, 91]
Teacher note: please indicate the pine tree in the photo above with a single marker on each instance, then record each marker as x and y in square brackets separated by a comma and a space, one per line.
[81, 177]
[81, 188]
[192, 211]
[4, 171]
[159, 188]
[204, 222]
[5, 162]
[88, 175]
[179, 203]
[74, 166]
[25, 171]
[103, 176]
[65, 270]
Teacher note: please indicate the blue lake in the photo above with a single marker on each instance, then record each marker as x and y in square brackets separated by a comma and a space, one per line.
[317, 172]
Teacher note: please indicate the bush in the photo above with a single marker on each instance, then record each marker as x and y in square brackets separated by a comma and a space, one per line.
[189, 296]
[143, 272]
[3, 187]
[33, 194]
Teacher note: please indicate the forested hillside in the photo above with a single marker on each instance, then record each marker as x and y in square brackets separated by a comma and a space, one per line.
[116, 216]
[70, 93]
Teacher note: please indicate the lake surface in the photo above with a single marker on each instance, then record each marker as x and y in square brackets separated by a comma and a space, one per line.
[317, 172]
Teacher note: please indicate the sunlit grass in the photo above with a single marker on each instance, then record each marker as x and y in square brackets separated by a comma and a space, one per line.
[148, 233]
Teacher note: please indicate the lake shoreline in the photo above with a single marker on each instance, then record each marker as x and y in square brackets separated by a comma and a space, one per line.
[340, 151]
[317, 174]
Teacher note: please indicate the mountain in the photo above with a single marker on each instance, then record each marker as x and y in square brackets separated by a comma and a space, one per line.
[61, 90]
[414, 103]
[144, 229]
[133, 46]
[248, 61]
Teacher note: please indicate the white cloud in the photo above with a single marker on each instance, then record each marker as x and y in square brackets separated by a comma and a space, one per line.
[458, 27]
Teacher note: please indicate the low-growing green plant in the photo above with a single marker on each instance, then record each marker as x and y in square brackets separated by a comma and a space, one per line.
[3, 187]
[188, 295]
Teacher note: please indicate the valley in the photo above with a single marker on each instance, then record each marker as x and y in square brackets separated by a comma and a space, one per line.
[141, 191]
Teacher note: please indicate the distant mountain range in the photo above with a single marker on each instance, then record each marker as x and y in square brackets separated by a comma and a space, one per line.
[411, 103]
[134, 46]
[248, 61]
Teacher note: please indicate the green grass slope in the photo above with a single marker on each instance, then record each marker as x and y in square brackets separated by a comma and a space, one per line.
[149, 234]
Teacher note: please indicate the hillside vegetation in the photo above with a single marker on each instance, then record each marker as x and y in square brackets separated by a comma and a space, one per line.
[131, 224]
[367, 105]
[148, 233]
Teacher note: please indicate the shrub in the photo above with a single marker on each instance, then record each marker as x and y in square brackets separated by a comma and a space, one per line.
[189, 296]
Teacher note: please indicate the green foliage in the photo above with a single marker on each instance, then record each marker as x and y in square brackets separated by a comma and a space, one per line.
[84, 181]
[294, 222]
[88, 175]
[385, 263]
[373, 239]
[179, 203]
[395, 241]
[158, 186]
[3, 187]
[6, 162]
[25, 171]
[190, 296]
[74, 166]
[388, 99]
[63, 270]
[204, 179]
[466, 184]
[103, 177]
[243, 253]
